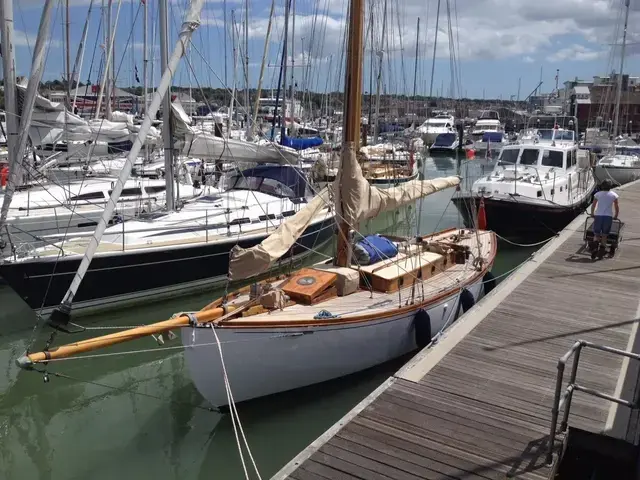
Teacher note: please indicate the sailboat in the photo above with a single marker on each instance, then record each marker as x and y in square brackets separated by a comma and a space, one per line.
[623, 166]
[377, 299]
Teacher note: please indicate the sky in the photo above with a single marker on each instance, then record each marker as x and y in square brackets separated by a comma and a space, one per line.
[490, 48]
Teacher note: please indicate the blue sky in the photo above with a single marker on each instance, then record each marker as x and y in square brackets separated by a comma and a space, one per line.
[496, 42]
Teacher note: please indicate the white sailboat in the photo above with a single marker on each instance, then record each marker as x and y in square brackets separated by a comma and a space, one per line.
[337, 317]
[621, 168]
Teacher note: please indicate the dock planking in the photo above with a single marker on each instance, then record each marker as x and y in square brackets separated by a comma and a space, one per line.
[477, 405]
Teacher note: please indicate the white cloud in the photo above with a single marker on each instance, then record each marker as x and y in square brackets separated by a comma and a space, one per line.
[528, 59]
[486, 29]
[575, 52]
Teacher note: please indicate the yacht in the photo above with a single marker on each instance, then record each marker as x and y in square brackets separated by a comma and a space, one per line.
[432, 127]
[488, 121]
[445, 143]
[60, 209]
[536, 187]
[619, 167]
[171, 253]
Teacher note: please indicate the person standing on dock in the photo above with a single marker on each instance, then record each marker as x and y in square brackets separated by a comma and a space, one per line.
[604, 209]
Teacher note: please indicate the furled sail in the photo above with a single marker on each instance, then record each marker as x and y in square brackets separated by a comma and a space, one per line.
[52, 122]
[248, 262]
[357, 200]
[196, 143]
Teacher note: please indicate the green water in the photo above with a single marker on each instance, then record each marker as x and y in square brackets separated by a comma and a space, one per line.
[139, 416]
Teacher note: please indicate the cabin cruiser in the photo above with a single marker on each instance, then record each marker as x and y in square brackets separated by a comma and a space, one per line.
[488, 121]
[445, 143]
[171, 253]
[490, 144]
[432, 127]
[67, 209]
[536, 187]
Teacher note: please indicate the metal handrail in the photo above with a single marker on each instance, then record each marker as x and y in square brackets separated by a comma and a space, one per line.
[565, 399]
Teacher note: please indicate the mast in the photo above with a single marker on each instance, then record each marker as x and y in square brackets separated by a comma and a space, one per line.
[61, 314]
[435, 45]
[265, 53]
[376, 126]
[167, 136]
[17, 137]
[353, 106]
[145, 62]
[105, 86]
[68, 53]
[9, 69]
[415, 68]
[77, 66]
[283, 123]
[235, 68]
[246, 65]
[293, 70]
[616, 119]
[107, 65]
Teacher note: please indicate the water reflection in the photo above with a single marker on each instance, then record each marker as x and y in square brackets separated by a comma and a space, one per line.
[153, 423]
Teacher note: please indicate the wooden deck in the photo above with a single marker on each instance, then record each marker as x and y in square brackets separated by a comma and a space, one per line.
[478, 404]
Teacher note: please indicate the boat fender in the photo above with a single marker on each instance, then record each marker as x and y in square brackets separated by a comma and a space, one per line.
[466, 300]
[422, 325]
[489, 282]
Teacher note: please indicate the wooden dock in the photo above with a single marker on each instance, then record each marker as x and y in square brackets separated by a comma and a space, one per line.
[477, 405]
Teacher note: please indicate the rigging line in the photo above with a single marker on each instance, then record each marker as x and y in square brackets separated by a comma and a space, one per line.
[297, 173]
[537, 244]
[125, 390]
[233, 409]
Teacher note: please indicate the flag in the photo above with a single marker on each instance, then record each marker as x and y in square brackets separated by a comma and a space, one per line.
[136, 71]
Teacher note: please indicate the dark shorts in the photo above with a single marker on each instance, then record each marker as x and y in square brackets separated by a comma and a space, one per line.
[602, 224]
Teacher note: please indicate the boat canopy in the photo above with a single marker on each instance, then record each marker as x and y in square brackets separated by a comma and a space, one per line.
[493, 137]
[278, 180]
[301, 143]
[445, 139]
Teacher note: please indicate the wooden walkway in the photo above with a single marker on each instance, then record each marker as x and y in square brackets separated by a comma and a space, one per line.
[478, 404]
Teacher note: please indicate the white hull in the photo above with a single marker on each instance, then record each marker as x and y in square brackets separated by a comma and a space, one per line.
[619, 175]
[262, 362]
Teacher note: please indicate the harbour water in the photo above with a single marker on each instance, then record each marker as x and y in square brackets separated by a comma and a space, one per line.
[139, 416]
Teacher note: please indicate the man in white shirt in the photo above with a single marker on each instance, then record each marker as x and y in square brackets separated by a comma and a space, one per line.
[605, 209]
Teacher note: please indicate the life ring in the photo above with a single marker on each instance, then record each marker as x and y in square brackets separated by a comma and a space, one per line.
[466, 300]
[488, 282]
[422, 325]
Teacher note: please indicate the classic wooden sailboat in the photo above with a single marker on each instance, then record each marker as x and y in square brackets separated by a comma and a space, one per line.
[337, 317]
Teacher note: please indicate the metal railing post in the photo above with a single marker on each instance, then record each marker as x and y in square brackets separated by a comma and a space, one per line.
[572, 381]
[555, 412]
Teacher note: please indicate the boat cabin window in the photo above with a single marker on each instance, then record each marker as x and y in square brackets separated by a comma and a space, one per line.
[128, 192]
[545, 134]
[274, 187]
[266, 185]
[552, 158]
[508, 156]
[155, 189]
[571, 158]
[88, 196]
[529, 156]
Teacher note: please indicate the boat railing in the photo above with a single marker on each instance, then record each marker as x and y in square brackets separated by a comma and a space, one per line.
[209, 221]
[564, 398]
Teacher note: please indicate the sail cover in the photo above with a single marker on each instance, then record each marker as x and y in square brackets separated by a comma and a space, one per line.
[248, 262]
[301, 143]
[357, 200]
